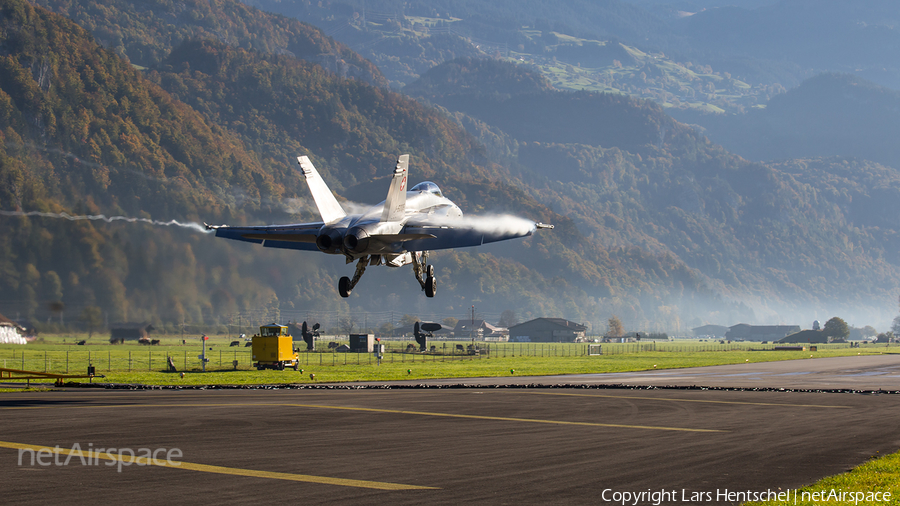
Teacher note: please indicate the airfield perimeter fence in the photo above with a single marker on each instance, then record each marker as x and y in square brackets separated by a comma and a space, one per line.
[70, 359]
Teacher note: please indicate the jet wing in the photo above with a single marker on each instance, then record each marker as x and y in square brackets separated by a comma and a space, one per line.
[465, 232]
[300, 236]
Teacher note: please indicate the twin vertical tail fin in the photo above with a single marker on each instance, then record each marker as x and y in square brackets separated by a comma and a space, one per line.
[395, 203]
[329, 207]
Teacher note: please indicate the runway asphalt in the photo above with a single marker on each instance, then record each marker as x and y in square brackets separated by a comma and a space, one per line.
[450, 446]
[865, 372]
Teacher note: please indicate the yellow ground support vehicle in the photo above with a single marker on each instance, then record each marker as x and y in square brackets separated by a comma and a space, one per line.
[273, 348]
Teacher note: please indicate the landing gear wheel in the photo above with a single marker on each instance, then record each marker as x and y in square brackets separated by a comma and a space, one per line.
[430, 286]
[429, 272]
[344, 287]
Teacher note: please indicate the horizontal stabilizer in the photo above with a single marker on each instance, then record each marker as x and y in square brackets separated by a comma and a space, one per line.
[329, 207]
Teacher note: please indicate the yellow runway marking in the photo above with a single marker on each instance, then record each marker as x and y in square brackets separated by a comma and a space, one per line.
[144, 461]
[694, 400]
[504, 418]
[393, 411]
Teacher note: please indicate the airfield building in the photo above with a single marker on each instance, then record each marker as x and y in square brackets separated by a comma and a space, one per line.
[547, 330]
[130, 331]
[710, 330]
[479, 329]
[744, 332]
[806, 336]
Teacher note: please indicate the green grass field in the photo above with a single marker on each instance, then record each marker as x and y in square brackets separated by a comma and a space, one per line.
[860, 484]
[133, 363]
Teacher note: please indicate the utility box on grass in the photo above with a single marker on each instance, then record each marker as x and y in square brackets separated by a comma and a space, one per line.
[362, 343]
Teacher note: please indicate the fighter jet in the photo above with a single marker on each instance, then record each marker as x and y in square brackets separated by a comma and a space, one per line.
[399, 231]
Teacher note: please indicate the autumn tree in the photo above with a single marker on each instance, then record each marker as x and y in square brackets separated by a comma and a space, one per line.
[836, 329]
[508, 318]
[895, 326]
[615, 327]
[346, 324]
[92, 316]
[408, 320]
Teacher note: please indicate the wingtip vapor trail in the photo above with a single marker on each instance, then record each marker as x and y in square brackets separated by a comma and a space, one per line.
[503, 224]
[109, 219]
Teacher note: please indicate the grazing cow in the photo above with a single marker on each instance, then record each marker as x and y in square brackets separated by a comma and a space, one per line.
[154, 342]
[81, 343]
[144, 340]
[235, 343]
[248, 343]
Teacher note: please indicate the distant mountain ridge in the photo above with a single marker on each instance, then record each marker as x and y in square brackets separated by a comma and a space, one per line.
[827, 115]
[775, 229]
[822, 35]
[702, 54]
[521, 103]
[477, 76]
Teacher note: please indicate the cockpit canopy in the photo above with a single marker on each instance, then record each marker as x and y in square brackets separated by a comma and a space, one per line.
[427, 186]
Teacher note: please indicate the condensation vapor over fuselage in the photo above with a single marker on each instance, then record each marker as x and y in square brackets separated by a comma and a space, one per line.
[357, 235]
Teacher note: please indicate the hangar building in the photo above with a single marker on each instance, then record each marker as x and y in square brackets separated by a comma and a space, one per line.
[760, 332]
[547, 330]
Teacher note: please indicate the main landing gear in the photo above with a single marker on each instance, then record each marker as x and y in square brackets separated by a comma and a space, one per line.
[420, 267]
[424, 273]
[345, 284]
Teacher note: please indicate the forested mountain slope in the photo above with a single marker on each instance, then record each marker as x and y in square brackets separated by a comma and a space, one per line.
[85, 133]
[145, 32]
